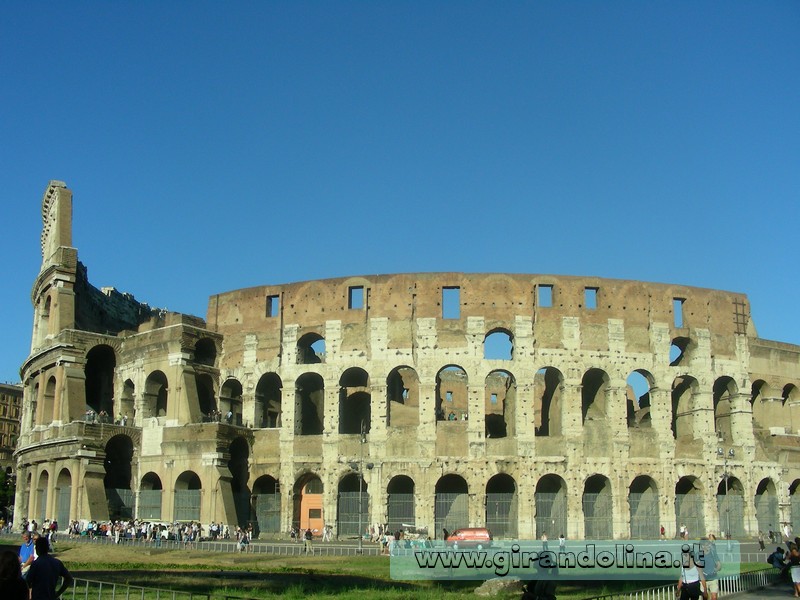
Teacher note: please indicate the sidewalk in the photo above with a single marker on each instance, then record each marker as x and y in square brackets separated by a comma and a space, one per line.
[779, 590]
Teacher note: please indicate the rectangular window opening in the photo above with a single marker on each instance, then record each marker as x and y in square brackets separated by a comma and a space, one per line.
[590, 297]
[273, 306]
[451, 303]
[494, 398]
[545, 296]
[314, 513]
[677, 311]
[355, 297]
[449, 396]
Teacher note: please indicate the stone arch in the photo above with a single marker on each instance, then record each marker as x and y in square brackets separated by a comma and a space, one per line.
[269, 401]
[402, 395]
[451, 509]
[548, 385]
[501, 506]
[725, 391]
[188, 493]
[42, 485]
[239, 467]
[267, 504]
[498, 345]
[594, 389]
[309, 404]
[644, 508]
[150, 497]
[689, 509]
[205, 352]
[117, 480]
[639, 384]
[354, 401]
[63, 497]
[353, 493]
[764, 411]
[598, 508]
[127, 402]
[206, 396]
[311, 349]
[766, 505]
[156, 395]
[452, 397]
[550, 500]
[500, 404]
[307, 511]
[730, 507]
[230, 401]
[101, 361]
[400, 504]
[684, 389]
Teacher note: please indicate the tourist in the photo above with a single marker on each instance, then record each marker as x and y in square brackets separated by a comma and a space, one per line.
[27, 553]
[692, 582]
[45, 572]
[11, 582]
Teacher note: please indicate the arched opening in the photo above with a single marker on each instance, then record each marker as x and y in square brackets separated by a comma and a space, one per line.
[188, 490]
[730, 507]
[400, 503]
[267, 503]
[683, 389]
[766, 502]
[593, 395]
[689, 506]
[269, 396]
[117, 482]
[638, 399]
[206, 397]
[598, 508]
[150, 491]
[100, 364]
[402, 391]
[49, 404]
[794, 503]
[501, 506]
[550, 500]
[239, 466]
[500, 404]
[155, 395]
[725, 391]
[353, 500]
[451, 508]
[127, 403]
[309, 404]
[308, 503]
[63, 498]
[548, 385]
[354, 402]
[205, 352]
[498, 345]
[760, 405]
[41, 496]
[791, 400]
[311, 349]
[452, 400]
[645, 514]
[679, 351]
[230, 402]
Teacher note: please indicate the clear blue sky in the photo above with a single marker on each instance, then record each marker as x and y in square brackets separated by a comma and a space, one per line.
[212, 146]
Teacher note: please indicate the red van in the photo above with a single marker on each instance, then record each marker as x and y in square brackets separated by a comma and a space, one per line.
[470, 537]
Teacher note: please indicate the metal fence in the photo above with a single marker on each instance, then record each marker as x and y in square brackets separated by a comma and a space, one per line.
[598, 516]
[400, 511]
[551, 514]
[348, 519]
[501, 514]
[451, 511]
[645, 520]
[150, 505]
[268, 512]
[689, 512]
[187, 505]
[767, 513]
[121, 503]
[730, 508]
[86, 589]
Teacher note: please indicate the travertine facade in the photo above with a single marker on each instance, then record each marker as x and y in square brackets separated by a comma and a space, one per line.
[530, 403]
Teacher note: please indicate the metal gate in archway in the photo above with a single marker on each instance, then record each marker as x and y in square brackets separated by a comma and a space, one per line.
[150, 504]
[187, 505]
[501, 514]
[451, 511]
[598, 516]
[689, 512]
[347, 523]
[121, 503]
[268, 512]
[551, 514]
[767, 513]
[730, 508]
[64, 497]
[241, 501]
[645, 519]
[400, 511]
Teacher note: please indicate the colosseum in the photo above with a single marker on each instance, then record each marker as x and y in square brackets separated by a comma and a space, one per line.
[530, 404]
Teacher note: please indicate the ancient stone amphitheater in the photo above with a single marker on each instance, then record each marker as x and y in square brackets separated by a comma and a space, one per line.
[530, 404]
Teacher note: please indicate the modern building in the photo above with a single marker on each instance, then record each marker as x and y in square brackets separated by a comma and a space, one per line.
[530, 404]
[10, 415]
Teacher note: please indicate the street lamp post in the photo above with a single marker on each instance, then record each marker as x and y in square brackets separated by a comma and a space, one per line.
[730, 453]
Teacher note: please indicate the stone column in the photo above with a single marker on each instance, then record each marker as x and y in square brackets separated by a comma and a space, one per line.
[476, 426]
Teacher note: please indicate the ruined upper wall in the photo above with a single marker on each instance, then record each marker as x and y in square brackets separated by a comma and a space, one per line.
[496, 298]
